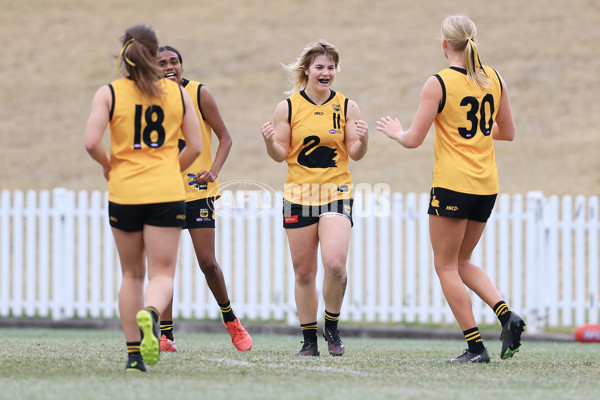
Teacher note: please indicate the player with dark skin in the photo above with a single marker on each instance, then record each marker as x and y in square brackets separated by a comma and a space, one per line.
[202, 190]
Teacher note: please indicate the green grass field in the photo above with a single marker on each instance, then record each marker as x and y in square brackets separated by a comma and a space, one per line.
[75, 364]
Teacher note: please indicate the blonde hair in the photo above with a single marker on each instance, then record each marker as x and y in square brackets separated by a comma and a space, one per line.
[138, 55]
[459, 31]
[303, 63]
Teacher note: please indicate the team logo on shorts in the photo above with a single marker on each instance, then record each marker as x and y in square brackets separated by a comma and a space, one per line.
[347, 210]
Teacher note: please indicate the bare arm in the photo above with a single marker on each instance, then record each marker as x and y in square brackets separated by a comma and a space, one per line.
[210, 111]
[431, 96]
[190, 128]
[277, 133]
[504, 126]
[96, 126]
[356, 133]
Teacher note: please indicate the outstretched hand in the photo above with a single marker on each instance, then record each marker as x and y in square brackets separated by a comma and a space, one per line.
[390, 126]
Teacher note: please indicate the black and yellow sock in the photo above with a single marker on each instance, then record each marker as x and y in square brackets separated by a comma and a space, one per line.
[502, 312]
[166, 328]
[331, 320]
[309, 331]
[154, 312]
[133, 347]
[227, 312]
[473, 338]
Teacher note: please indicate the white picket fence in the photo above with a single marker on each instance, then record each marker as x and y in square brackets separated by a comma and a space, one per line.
[58, 259]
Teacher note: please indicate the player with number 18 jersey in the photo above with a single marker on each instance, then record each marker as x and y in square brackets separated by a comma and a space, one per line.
[144, 145]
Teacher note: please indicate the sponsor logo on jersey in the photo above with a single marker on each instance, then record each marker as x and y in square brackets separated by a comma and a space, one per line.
[318, 112]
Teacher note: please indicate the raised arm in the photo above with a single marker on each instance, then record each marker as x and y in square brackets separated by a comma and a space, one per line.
[277, 134]
[356, 133]
[431, 96]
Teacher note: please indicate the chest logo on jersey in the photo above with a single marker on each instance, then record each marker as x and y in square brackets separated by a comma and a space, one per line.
[313, 156]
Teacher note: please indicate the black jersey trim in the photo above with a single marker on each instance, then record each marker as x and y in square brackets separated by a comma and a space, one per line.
[332, 94]
[198, 100]
[443, 102]
[499, 80]
[458, 69]
[182, 100]
[289, 102]
[303, 94]
[112, 106]
[346, 108]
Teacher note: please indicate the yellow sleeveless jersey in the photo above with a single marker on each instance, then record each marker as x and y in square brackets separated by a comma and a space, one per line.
[317, 159]
[464, 148]
[204, 160]
[143, 144]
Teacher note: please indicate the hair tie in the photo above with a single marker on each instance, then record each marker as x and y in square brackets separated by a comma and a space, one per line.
[122, 55]
[474, 54]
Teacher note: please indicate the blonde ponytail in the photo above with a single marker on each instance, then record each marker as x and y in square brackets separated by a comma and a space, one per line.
[459, 31]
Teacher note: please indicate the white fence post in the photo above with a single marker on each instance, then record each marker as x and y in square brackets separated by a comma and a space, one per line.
[59, 269]
[5, 281]
[593, 227]
[567, 261]
[534, 277]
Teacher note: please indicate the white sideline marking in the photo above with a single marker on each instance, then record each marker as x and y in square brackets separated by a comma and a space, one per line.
[229, 361]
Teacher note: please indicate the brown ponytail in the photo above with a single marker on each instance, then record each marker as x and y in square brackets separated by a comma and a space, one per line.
[138, 55]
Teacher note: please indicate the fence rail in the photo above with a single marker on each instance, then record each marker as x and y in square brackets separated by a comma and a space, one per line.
[58, 259]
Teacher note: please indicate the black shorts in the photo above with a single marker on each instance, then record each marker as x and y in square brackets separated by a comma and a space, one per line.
[299, 216]
[200, 213]
[448, 203]
[133, 217]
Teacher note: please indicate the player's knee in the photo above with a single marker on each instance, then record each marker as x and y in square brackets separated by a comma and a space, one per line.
[209, 267]
[336, 268]
[304, 277]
